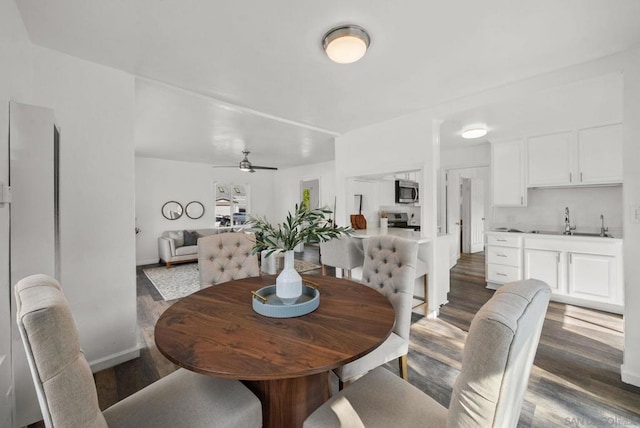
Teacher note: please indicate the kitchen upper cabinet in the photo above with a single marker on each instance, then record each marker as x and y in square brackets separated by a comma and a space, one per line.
[546, 266]
[550, 160]
[590, 156]
[600, 154]
[507, 174]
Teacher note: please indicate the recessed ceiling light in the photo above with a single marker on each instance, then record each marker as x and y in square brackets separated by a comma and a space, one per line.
[474, 133]
[346, 44]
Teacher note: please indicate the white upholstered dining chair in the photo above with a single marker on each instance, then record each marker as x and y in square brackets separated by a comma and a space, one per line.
[345, 253]
[489, 391]
[225, 257]
[67, 393]
[389, 267]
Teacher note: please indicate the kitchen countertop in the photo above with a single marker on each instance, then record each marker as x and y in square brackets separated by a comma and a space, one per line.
[556, 235]
[394, 231]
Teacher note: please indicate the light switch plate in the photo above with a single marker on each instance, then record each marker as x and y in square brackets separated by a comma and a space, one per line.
[5, 194]
[634, 214]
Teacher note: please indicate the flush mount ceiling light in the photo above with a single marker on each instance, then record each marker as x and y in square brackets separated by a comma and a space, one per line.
[474, 133]
[346, 44]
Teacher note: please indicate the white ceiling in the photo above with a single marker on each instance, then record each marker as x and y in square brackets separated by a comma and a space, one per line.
[581, 104]
[266, 57]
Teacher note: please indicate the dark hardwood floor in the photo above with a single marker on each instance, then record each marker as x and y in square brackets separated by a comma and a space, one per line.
[575, 381]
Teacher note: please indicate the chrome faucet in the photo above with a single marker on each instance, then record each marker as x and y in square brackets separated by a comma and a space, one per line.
[603, 230]
[568, 230]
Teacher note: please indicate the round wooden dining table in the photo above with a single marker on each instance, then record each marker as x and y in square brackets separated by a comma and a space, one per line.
[285, 361]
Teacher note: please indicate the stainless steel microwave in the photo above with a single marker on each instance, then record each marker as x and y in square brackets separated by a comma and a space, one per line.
[406, 192]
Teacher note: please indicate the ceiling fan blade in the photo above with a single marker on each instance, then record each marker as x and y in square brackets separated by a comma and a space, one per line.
[263, 167]
[224, 166]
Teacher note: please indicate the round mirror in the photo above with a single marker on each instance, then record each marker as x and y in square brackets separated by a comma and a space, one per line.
[172, 210]
[194, 210]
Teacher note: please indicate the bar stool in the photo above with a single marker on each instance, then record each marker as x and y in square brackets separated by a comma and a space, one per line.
[422, 270]
[345, 253]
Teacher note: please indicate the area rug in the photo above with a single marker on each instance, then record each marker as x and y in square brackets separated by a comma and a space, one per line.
[182, 280]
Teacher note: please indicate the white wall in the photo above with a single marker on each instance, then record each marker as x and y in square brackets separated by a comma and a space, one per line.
[465, 157]
[158, 181]
[94, 109]
[287, 187]
[407, 143]
[15, 83]
[631, 202]
[545, 210]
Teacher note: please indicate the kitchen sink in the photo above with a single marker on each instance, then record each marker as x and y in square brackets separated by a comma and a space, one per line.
[606, 235]
[587, 234]
[545, 232]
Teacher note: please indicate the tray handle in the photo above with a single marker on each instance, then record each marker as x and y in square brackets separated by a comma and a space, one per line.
[261, 298]
[310, 283]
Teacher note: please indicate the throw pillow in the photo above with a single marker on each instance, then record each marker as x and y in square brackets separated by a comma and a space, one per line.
[190, 238]
[177, 237]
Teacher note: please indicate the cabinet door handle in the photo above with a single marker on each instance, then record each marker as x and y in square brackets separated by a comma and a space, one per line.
[557, 258]
[570, 177]
[501, 274]
[501, 240]
[570, 258]
[501, 255]
[580, 177]
[521, 200]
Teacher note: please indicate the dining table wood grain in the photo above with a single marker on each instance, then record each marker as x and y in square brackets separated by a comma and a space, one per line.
[286, 362]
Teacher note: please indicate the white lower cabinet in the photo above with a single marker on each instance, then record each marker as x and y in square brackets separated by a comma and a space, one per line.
[545, 266]
[581, 272]
[503, 258]
[593, 276]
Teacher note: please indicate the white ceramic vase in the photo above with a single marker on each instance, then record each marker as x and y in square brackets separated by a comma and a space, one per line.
[289, 282]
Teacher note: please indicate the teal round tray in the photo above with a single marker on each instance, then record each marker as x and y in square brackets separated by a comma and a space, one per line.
[265, 302]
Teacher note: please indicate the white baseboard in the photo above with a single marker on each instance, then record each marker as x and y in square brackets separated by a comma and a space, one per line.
[114, 359]
[628, 377]
[147, 262]
[601, 306]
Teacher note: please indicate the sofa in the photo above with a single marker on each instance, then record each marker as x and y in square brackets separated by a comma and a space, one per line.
[174, 248]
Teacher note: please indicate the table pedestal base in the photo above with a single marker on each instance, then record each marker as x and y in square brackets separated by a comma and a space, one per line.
[288, 402]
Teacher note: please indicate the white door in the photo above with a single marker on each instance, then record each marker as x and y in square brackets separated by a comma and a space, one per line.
[453, 210]
[472, 215]
[465, 210]
[475, 223]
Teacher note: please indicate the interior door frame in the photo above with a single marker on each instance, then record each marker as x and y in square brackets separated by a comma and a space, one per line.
[448, 175]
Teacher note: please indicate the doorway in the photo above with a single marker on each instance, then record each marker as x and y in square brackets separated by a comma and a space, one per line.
[466, 194]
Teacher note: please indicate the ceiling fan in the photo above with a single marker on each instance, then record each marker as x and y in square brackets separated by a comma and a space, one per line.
[245, 165]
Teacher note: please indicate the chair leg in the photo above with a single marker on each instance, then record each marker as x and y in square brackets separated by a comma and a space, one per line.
[402, 362]
[324, 270]
[425, 300]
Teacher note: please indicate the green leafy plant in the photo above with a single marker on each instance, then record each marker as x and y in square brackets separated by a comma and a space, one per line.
[303, 225]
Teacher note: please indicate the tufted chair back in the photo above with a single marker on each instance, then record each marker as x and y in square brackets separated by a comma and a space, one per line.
[59, 368]
[226, 257]
[390, 268]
